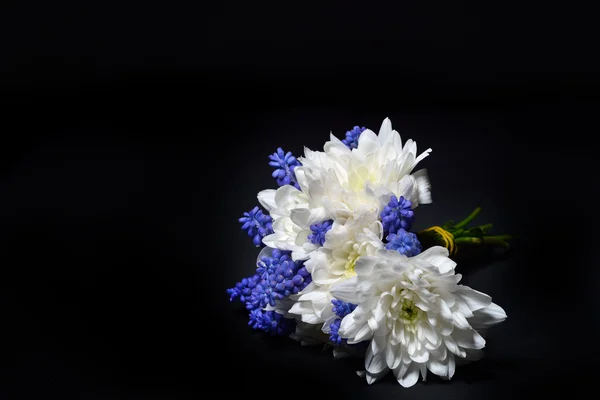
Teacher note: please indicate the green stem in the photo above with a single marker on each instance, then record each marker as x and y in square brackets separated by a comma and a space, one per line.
[485, 227]
[456, 233]
[468, 240]
[470, 218]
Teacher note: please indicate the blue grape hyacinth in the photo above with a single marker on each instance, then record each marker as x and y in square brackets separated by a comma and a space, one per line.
[271, 322]
[318, 232]
[404, 242]
[341, 309]
[243, 289]
[280, 277]
[284, 164]
[352, 136]
[257, 224]
[398, 213]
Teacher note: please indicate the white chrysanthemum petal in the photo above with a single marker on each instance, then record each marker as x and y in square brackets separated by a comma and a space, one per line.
[385, 132]
[323, 277]
[278, 240]
[312, 319]
[375, 358]
[438, 257]
[363, 334]
[368, 142]
[301, 178]
[439, 368]
[391, 355]
[302, 308]
[460, 321]
[444, 309]
[286, 197]
[451, 365]
[474, 299]
[411, 376]
[420, 355]
[489, 316]
[468, 339]
[345, 290]
[266, 198]
[336, 147]
[305, 217]
[310, 295]
[349, 327]
[429, 333]
[372, 378]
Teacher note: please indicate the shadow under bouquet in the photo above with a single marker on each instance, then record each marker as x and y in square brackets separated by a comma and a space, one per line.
[340, 265]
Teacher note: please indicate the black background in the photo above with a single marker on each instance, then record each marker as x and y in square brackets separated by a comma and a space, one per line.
[134, 136]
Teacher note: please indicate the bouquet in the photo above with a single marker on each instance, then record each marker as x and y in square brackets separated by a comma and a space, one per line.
[340, 265]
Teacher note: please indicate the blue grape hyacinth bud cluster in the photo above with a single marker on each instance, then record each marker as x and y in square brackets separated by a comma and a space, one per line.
[397, 218]
[398, 213]
[351, 139]
[404, 242]
[318, 231]
[277, 277]
[284, 164]
[280, 277]
[243, 289]
[271, 322]
[257, 224]
[340, 309]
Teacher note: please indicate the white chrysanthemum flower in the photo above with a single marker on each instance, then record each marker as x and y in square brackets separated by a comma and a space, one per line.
[306, 334]
[415, 313]
[292, 219]
[339, 183]
[334, 262]
[349, 181]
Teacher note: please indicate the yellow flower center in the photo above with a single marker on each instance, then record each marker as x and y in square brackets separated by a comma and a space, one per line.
[352, 257]
[408, 311]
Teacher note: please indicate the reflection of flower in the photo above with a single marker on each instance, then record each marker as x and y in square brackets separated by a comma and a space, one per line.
[415, 313]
